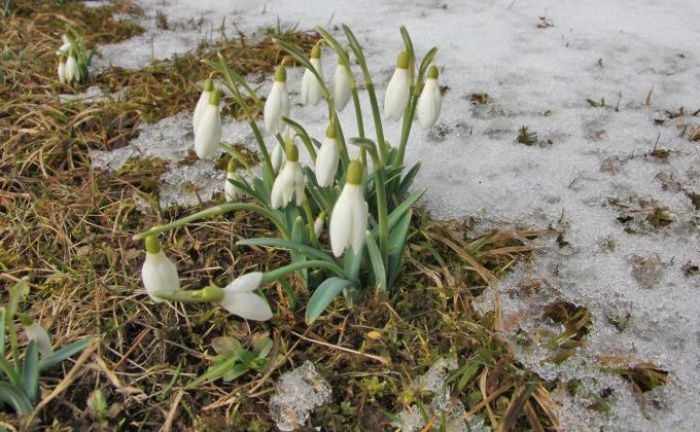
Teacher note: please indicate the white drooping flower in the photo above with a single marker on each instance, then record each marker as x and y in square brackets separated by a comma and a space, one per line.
[327, 159]
[208, 133]
[72, 69]
[277, 103]
[430, 100]
[36, 332]
[239, 300]
[277, 157]
[311, 92]
[202, 102]
[398, 90]
[350, 213]
[341, 86]
[158, 273]
[66, 47]
[289, 182]
[61, 70]
[231, 191]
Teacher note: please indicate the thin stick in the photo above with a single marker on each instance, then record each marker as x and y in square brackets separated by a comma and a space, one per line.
[381, 360]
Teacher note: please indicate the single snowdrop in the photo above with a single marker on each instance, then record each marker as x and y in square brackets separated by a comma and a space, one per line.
[158, 273]
[311, 92]
[430, 100]
[208, 133]
[231, 191]
[398, 90]
[327, 159]
[35, 332]
[341, 86]
[238, 298]
[62, 70]
[349, 217]
[277, 103]
[72, 69]
[277, 157]
[289, 182]
[66, 47]
[202, 102]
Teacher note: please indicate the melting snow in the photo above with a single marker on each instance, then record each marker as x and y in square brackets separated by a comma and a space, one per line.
[597, 173]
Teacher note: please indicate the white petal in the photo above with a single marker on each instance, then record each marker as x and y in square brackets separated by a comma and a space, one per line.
[65, 47]
[327, 162]
[429, 104]
[277, 157]
[199, 109]
[246, 305]
[306, 82]
[276, 106]
[72, 73]
[299, 184]
[62, 72]
[311, 92]
[159, 274]
[341, 87]
[247, 282]
[283, 187]
[231, 192]
[341, 220]
[36, 332]
[208, 133]
[359, 223]
[397, 95]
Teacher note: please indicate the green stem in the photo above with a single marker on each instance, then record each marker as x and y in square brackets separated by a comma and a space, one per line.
[183, 296]
[290, 268]
[310, 222]
[358, 112]
[215, 211]
[406, 128]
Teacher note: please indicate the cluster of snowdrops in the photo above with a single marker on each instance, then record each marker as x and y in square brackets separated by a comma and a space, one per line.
[364, 200]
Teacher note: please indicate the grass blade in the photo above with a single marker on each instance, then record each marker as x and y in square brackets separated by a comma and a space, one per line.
[324, 296]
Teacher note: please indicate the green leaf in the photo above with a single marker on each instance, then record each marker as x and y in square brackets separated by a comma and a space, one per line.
[64, 353]
[402, 208]
[11, 373]
[2, 330]
[352, 263]
[217, 370]
[289, 245]
[298, 231]
[407, 181]
[225, 345]
[397, 242]
[15, 397]
[30, 371]
[324, 296]
[375, 258]
[236, 370]
[262, 347]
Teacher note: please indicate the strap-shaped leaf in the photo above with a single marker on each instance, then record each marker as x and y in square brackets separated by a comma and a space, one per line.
[30, 371]
[407, 181]
[402, 208]
[324, 296]
[298, 236]
[214, 372]
[64, 353]
[397, 242]
[289, 245]
[375, 258]
[15, 397]
[2, 329]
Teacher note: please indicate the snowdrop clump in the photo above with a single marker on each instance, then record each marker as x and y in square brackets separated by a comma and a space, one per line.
[364, 243]
[73, 60]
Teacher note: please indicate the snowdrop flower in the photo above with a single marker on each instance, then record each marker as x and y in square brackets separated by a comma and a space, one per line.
[311, 92]
[277, 157]
[289, 182]
[202, 102]
[318, 224]
[62, 70]
[231, 191]
[158, 273]
[327, 159]
[36, 332]
[398, 90]
[208, 133]
[277, 103]
[238, 299]
[341, 86]
[72, 69]
[65, 48]
[430, 100]
[349, 217]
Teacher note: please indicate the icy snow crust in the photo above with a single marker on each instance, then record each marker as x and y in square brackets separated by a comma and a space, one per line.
[586, 162]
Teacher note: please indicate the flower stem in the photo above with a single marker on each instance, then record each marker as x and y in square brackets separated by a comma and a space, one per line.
[290, 268]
